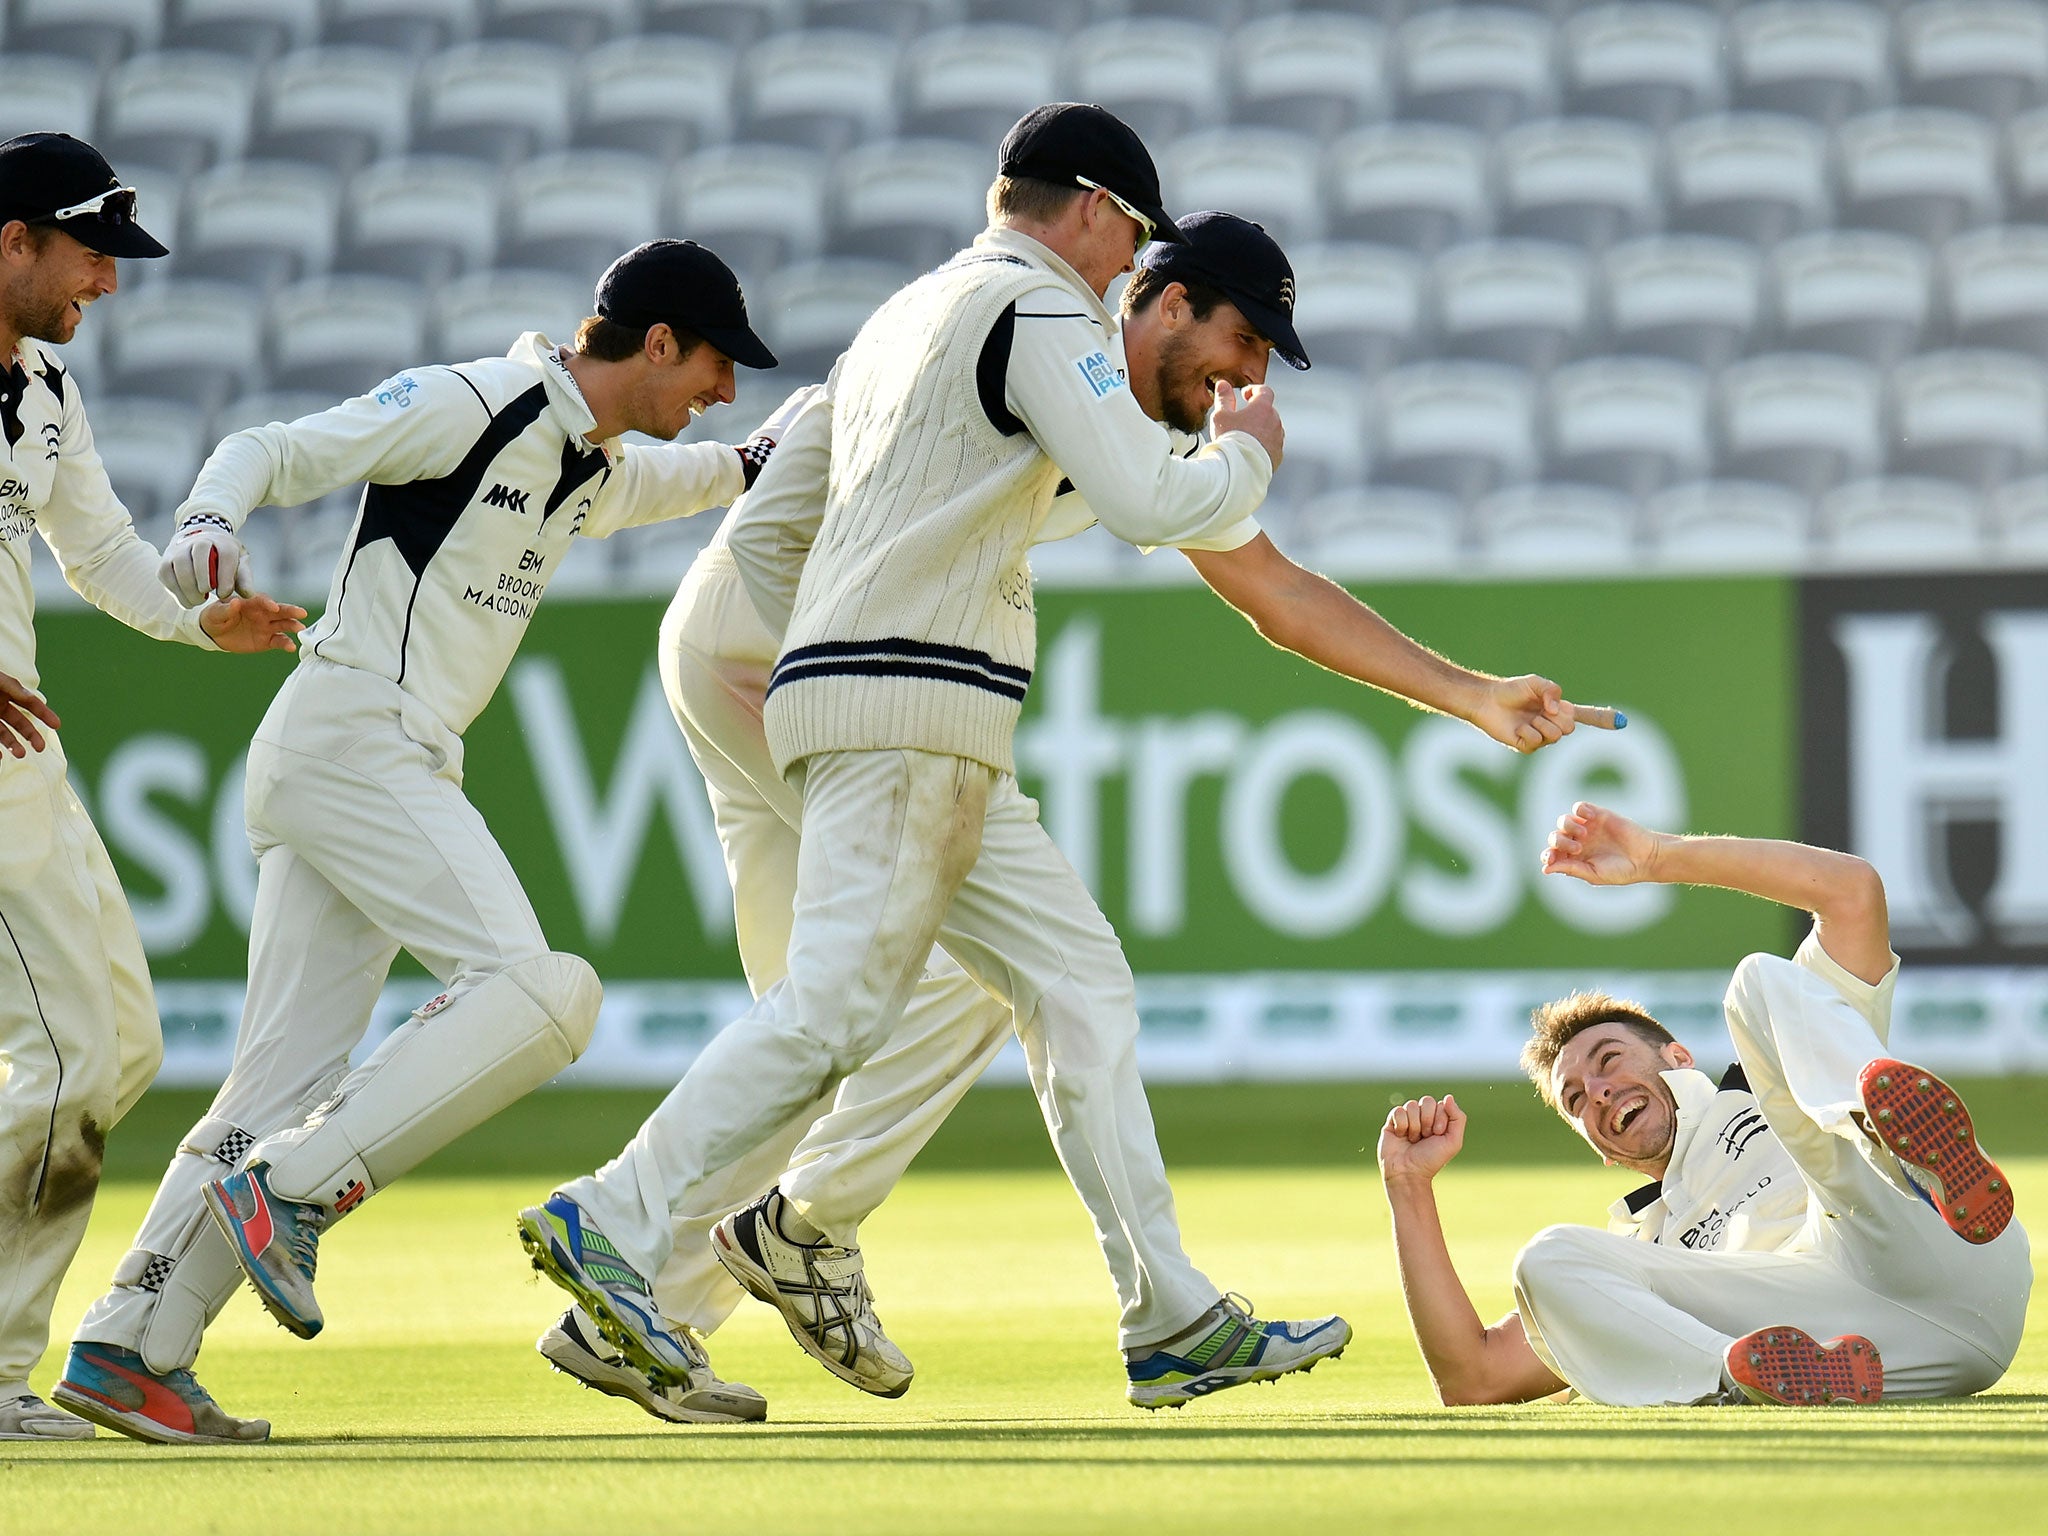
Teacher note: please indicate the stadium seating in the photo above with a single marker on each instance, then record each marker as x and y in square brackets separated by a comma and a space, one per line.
[1556, 526]
[152, 449]
[1772, 272]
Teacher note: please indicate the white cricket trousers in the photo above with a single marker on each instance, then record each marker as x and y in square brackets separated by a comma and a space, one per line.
[79, 1038]
[364, 844]
[1022, 921]
[1637, 1325]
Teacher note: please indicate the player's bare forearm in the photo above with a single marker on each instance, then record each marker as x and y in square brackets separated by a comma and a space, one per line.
[1843, 892]
[1468, 1362]
[1312, 616]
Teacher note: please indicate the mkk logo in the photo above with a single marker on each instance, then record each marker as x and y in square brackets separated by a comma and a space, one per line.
[1926, 747]
[505, 496]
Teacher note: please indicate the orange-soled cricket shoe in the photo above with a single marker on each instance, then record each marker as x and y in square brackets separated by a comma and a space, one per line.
[1922, 1121]
[1791, 1368]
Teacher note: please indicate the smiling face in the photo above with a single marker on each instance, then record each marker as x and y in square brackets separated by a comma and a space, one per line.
[49, 278]
[1606, 1082]
[677, 384]
[1177, 358]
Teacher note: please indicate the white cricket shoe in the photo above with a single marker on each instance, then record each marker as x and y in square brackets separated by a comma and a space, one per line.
[821, 1292]
[24, 1416]
[573, 1346]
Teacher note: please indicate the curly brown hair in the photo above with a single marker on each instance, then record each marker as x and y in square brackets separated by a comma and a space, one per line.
[1556, 1023]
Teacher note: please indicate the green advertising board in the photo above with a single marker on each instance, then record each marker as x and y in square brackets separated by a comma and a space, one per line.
[1235, 808]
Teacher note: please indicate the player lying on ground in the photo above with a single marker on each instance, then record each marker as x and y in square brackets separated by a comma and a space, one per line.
[79, 1035]
[1823, 1226]
[480, 476]
[1198, 315]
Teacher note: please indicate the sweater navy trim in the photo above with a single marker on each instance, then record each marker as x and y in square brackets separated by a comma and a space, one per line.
[901, 658]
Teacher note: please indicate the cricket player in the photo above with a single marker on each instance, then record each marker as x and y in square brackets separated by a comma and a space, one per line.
[955, 416]
[1210, 311]
[479, 476]
[1822, 1226]
[79, 1036]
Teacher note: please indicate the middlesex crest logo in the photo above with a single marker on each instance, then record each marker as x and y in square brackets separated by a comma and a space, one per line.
[1287, 294]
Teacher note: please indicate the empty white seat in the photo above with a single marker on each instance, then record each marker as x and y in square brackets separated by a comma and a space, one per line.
[815, 307]
[180, 110]
[100, 30]
[1822, 59]
[1516, 301]
[260, 222]
[578, 212]
[737, 22]
[1855, 292]
[47, 92]
[972, 83]
[1729, 525]
[1635, 424]
[660, 96]
[1357, 305]
[1162, 77]
[1477, 65]
[1263, 174]
[1918, 170]
[822, 90]
[898, 19]
[425, 217]
[1317, 72]
[1751, 175]
[497, 101]
[482, 313]
[1361, 533]
[342, 105]
[2019, 520]
[910, 200]
[757, 205]
[192, 341]
[573, 25]
[1988, 56]
[1997, 287]
[413, 26]
[1901, 520]
[2026, 157]
[152, 450]
[1326, 442]
[257, 29]
[1651, 62]
[1556, 526]
[343, 334]
[1802, 419]
[1972, 415]
[1419, 185]
[1692, 298]
[1460, 428]
[1586, 180]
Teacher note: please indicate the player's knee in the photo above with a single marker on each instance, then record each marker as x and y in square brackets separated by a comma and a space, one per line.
[1754, 977]
[567, 992]
[1553, 1257]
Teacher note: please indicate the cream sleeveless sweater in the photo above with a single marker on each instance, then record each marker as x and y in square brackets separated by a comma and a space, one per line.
[913, 624]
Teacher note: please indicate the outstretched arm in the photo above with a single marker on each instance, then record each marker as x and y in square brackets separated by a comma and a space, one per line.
[1313, 617]
[1469, 1362]
[1843, 892]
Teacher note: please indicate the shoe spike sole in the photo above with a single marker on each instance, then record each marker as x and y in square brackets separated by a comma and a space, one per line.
[596, 1305]
[1789, 1367]
[1922, 1121]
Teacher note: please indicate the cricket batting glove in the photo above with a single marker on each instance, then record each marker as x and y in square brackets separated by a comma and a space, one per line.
[204, 558]
[754, 455]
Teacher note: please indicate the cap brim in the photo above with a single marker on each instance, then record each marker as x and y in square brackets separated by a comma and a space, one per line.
[114, 239]
[741, 345]
[1276, 326]
[1164, 230]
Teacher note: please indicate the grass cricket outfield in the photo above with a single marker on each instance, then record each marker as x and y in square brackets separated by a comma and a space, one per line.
[423, 1406]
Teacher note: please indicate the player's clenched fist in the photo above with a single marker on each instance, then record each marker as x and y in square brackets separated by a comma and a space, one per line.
[1420, 1137]
[204, 558]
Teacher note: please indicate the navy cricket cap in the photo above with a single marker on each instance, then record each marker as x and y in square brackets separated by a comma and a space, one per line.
[679, 284]
[1243, 263]
[1067, 142]
[45, 175]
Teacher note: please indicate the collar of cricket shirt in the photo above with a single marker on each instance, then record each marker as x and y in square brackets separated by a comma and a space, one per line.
[1693, 1092]
[570, 408]
[1039, 255]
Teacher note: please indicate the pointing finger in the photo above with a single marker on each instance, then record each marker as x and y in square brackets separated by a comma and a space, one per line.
[1601, 715]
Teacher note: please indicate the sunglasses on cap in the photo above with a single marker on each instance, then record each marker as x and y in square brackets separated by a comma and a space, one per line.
[116, 205]
[1145, 225]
